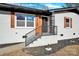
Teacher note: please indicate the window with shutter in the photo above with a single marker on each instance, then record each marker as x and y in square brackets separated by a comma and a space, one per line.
[24, 20]
[67, 22]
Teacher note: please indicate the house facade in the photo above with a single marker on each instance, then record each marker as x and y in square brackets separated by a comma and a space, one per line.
[43, 27]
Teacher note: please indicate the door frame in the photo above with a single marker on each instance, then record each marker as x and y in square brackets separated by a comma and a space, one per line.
[48, 25]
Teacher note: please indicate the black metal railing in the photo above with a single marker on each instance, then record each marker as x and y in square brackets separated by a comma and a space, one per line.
[32, 35]
[37, 33]
[53, 30]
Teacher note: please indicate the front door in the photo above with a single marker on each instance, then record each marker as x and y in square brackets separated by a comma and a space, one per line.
[44, 25]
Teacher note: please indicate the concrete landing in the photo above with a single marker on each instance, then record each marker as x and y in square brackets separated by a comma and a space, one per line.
[44, 40]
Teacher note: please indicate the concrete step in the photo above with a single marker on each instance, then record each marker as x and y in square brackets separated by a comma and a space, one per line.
[44, 40]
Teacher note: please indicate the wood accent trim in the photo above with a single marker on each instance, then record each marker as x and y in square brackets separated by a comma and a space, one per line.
[71, 23]
[38, 23]
[12, 19]
[64, 22]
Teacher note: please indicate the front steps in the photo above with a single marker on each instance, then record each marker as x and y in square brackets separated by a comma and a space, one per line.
[44, 40]
[41, 51]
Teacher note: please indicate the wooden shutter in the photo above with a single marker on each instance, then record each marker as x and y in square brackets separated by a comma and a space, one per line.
[64, 22]
[71, 23]
[38, 23]
[12, 20]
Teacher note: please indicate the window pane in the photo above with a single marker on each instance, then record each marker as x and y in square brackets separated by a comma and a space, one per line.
[20, 20]
[30, 21]
[21, 23]
[30, 18]
[67, 22]
[30, 24]
[20, 17]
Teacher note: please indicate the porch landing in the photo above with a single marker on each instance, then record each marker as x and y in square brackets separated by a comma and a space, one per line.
[44, 40]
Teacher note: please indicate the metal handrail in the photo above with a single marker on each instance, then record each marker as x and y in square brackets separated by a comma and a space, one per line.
[36, 28]
[32, 35]
[32, 30]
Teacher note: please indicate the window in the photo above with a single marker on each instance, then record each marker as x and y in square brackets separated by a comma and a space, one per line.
[20, 20]
[24, 20]
[30, 21]
[67, 22]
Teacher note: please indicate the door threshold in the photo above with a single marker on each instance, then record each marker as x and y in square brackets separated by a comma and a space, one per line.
[48, 34]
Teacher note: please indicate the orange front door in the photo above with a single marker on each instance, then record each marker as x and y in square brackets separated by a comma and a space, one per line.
[38, 25]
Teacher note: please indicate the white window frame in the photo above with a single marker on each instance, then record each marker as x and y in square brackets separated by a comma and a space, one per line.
[25, 23]
[16, 23]
[69, 22]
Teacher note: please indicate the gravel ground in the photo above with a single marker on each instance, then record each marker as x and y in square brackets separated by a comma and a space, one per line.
[70, 50]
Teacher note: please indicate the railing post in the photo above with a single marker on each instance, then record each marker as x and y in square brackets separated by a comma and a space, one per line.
[25, 40]
[54, 30]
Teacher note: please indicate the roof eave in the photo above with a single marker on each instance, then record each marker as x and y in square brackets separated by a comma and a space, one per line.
[15, 8]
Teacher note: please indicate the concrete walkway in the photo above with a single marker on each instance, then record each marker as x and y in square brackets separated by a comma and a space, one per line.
[11, 48]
